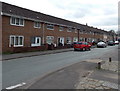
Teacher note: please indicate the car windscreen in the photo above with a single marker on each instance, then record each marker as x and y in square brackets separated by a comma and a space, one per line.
[110, 41]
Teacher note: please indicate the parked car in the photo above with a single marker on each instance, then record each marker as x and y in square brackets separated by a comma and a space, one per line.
[101, 44]
[82, 46]
[111, 43]
[119, 39]
[116, 42]
[73, 44]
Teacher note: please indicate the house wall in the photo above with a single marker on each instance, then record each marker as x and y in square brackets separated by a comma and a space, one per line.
[29, 31]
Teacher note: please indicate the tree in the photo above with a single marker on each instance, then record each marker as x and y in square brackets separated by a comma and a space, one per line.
[112, 31]
[113, 34]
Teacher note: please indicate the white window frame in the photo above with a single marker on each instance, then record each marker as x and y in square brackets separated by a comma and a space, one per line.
[90, 39]
[86, 32]
[15, 41]
[50, 25]
[75, 39]
[63, 40]
[36, 44]
[70, 41]
[81, 32]
[38, 23]
[81, 39]
[61, 28]
[69, 30]
[51, 37]
[76, 31]
[16, 22]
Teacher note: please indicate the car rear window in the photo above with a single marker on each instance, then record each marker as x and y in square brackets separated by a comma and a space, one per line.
[78, 43]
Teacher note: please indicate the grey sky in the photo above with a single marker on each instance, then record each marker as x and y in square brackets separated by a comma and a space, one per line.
[98, 13]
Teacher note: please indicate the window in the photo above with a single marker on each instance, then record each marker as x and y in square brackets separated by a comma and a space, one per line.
[16, 21]
[61, 41]
[36, 41]
[50, 26]
[16, 41]
[86, 32]
[21, 22]
[75, 39]
[76, 30]
[13, 20]
[94, 33]
[90, 32]
[69, 40]
[37, 25]
[82, 39]
[61, 28]
[69, 30]
[49, 39]
[81, 32]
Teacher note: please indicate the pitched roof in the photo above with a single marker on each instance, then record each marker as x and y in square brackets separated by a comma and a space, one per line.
[22, 12]
[18, 11]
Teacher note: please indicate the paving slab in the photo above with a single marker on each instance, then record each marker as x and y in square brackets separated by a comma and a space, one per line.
[105, 76]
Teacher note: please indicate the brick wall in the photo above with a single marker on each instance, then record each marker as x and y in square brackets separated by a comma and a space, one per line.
[29, 31]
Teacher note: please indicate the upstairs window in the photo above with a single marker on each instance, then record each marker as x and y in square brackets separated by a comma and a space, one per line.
[76, 30]
[81, 32]
[86, 32]
[69, 30]
[50, 26]
[37, 25]
[61, 28]
[16, 21]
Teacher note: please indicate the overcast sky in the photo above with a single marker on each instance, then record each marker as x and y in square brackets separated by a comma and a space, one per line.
[98, 13]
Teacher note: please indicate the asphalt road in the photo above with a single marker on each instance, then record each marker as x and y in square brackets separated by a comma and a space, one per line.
[20, 70]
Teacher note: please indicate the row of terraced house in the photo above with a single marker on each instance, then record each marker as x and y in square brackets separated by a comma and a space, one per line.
[27, 30]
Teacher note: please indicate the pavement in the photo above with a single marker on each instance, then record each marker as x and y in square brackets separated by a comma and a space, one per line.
[29, 54]
[105, 78]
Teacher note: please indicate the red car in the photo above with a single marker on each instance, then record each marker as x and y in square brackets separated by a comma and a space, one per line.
[82, 46]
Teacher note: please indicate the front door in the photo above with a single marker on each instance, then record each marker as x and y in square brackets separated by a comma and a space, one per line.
[61, 41]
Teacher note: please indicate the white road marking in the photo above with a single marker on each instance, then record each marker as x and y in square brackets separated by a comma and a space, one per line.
[15, 86]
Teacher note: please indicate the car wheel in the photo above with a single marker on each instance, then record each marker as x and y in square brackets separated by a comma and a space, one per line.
[75, 49]
[89, 49]
[83, 49]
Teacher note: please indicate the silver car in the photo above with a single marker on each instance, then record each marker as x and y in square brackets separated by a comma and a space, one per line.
[101, 44]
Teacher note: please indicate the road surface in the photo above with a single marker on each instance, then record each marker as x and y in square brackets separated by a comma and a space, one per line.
[21, 70]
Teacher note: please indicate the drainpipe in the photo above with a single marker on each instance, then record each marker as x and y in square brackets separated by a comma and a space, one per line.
[78, 35]
[43, 33]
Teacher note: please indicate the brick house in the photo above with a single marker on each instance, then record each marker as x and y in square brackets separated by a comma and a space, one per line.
[25, 30]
